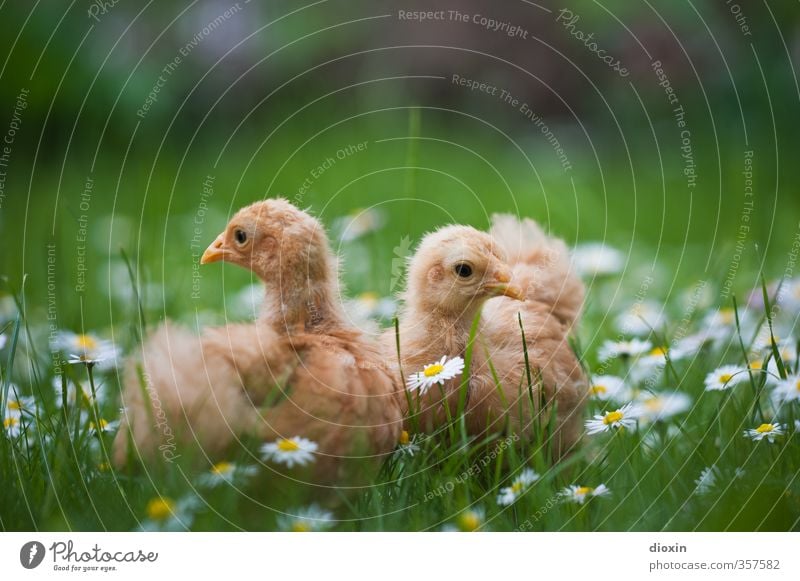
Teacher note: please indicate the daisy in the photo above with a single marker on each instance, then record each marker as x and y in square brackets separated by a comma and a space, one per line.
[597, 259]
[580, 494]
[624, 349]
[103, 426]
[12, 426]
[641, 318]
[707, 480]
[87, 349]
[689, 346]
[407, 444]
[20, 403]
[165, 514]
[662, 406]
[73, 391]
[358, 223]
[226, 473]
[247, 302]
[768, 431]
[624, 417]
[468, 521]
[787, 389]
[289, 451]
[519, 485]
[434, 373]
[309, 519]
[789, 295]
[725, 377]
[605, 387]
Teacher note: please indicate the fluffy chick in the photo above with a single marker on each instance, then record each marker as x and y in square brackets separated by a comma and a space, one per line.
[453, 272]
[318, 377]
[553, 300]
[440, 305]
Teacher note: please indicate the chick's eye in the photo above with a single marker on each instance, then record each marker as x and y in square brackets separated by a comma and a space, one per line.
[463, 270]
[240, 236]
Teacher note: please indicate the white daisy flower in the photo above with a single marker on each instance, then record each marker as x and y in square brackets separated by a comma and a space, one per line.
[789, 295]
[662, 406]
[725, 377]
[305, 520]
[73, 391]
[624, 349]
[641, 318]
[102, 426]
[289, 451]
[247, 302]
[768, 431]
[689, 346]
[580, 494]
[87, 349]
[707, 480]
[3, 340]
[407, 444]
[787, 389]
[165, 514]
[519, 485]
[434, 373]
[226, 473]
[606, 387]
[597, 259]
[18, 404]
[468, 521]
[12, 426]
[624, 417]
[358, 223]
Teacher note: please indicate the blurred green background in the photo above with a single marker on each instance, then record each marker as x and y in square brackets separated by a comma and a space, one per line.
[263, 93]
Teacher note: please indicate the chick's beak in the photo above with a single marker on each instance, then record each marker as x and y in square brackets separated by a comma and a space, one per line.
[215, 252]
[501, 286]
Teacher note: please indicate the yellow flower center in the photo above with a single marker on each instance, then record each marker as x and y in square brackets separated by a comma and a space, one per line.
[797, 385]
[104, 467]
[160, 508]
[756, 365]
[10, 422]
[658, 351]
[516, 488]
[103, 425]
[584, 490]
[288, 446]
[300, 526]
[599, 389]
[726, 316]
[221, 468]
[432, 370]
[14, 405]
[725, 377]
[404, 438]
[612, 417]
[652, 403]
[469, 521]
[370, 298]
[765, 428]
[85, 342]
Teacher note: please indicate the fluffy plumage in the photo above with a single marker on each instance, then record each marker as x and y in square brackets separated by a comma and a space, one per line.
[299, 370]
[436, 320]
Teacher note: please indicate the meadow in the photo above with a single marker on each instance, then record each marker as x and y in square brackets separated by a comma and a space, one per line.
[690, 338]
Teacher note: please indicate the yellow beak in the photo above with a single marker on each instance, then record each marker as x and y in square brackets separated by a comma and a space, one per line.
[503, 287]
[506, 290]
[215, 252]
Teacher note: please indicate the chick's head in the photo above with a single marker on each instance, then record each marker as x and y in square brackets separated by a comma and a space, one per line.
[275, 240]
[457, 267]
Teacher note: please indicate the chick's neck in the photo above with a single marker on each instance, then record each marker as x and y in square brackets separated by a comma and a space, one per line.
[295, 305]
[433, 330]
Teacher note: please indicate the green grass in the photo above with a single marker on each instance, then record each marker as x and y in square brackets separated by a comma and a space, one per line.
[55, 478]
